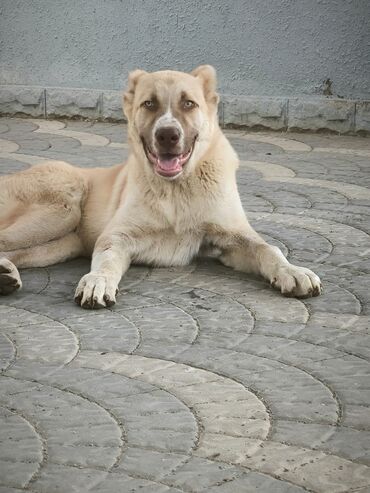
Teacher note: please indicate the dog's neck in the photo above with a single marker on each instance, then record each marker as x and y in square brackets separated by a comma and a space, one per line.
[189, 201]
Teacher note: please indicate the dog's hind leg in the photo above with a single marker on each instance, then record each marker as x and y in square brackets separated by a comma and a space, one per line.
[54, 251]
[37, 224]
[40, 204]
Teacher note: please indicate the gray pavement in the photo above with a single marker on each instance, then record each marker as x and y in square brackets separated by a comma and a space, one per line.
[200, 378]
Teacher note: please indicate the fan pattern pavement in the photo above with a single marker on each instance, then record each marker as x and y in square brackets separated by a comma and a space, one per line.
[200, 379]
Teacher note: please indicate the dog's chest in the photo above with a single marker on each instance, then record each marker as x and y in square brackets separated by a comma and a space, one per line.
[169, 249]
[177, 237]
[182, 215]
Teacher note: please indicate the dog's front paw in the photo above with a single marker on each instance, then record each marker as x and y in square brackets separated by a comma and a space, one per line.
[296, 281]
[10, 280]
[95, 291]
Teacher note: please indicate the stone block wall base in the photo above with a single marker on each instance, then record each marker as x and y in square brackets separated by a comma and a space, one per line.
[274, 113]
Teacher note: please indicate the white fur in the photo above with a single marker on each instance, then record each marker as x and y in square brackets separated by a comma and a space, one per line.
[167, 120]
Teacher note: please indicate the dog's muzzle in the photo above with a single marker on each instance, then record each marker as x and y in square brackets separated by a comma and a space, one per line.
[168, 164]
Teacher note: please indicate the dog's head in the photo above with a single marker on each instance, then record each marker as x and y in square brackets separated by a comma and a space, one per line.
[172, 117]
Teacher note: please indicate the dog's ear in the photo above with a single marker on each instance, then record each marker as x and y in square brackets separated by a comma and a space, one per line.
[207, 76]
[128, 95]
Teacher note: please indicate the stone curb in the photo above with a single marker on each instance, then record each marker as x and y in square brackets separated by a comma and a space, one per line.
[275, 113]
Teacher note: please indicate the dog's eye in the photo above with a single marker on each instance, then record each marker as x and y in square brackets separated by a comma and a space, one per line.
[188, 104]
[149, 104]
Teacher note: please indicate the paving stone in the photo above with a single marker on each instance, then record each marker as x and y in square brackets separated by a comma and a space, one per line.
[253, 148]
[292, 352]
[5, 489]
[227, 449]
[15, 474]
[357, 416]
[36, 336]
[149, 323]
[150, 463]
[337, 440]
[107, 331]
[22, 448]
[66, 420]
[256, 482]
[348, 374]
[310, 400]
[116, 481]
[53, 479]
[7, 351]
[200, 475]
[9, 165]
[199, 378]
[299, 466]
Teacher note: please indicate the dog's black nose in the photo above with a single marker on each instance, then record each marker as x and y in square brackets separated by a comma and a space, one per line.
[167, 137]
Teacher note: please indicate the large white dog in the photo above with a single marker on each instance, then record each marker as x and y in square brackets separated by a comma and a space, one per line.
[175, 196]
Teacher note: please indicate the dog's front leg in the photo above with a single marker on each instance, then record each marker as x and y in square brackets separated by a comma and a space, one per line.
[110, 261]
[246, 251]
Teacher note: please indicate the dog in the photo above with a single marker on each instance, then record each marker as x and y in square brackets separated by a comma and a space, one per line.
[174, 198]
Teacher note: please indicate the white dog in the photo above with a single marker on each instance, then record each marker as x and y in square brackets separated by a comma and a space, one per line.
[175, 196]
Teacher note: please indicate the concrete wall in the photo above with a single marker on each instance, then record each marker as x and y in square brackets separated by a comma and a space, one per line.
[259, 47]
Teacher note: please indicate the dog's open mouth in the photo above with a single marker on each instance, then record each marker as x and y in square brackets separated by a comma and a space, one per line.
[168, 165]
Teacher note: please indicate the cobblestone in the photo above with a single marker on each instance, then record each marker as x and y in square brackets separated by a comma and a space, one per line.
[200, 378]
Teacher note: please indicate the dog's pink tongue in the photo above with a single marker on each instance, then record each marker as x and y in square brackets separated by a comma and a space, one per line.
[169, 165]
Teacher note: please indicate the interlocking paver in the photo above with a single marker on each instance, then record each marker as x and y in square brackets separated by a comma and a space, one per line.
[200, 378]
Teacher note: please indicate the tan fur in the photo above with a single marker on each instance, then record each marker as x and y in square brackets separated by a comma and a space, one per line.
[129, 213]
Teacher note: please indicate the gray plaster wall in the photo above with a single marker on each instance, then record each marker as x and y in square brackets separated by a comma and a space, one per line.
[259, 47]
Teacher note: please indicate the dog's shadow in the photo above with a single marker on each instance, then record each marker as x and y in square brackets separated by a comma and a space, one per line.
[49, 286]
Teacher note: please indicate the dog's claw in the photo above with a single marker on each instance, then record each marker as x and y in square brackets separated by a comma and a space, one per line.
[108, 301]
[95, 291]
[297, 282]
